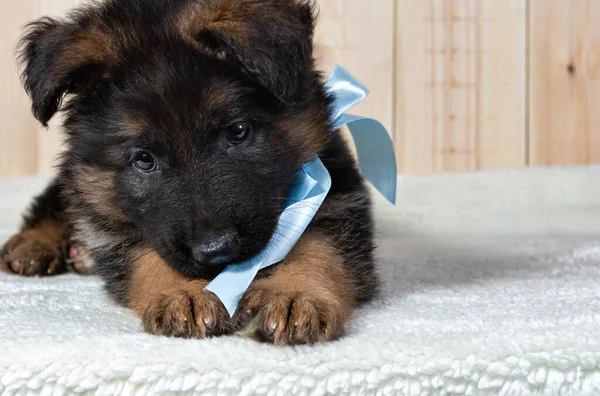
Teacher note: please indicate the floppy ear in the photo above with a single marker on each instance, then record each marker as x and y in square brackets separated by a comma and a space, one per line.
[60, 58]
[271, 40]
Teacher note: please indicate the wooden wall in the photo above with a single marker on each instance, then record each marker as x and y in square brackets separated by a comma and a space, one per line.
[462, 85]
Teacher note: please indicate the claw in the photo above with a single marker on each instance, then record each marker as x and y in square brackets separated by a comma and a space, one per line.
[272, 327]
[208, 322]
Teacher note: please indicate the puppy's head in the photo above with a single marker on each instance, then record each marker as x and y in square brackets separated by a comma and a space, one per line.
[186, 118]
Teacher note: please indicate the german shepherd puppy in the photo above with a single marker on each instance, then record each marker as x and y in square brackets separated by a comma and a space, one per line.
[185, 123]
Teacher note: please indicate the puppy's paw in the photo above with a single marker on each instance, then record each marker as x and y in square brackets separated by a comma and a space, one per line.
[32, 252]
[289, 318]
[187, 314]
[79, 258]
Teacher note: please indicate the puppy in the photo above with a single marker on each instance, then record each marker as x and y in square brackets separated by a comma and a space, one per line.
[185, 123]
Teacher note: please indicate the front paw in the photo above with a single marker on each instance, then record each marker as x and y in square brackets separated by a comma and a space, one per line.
[198, 314]
[32, 252]
[290, 318]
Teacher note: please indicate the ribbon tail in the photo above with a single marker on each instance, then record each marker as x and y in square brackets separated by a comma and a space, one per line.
[376, 158]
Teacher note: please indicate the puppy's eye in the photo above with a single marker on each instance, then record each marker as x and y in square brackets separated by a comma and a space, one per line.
[144, 161]
[238, 132]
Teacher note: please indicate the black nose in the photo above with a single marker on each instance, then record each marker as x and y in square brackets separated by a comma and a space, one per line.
[217, 249]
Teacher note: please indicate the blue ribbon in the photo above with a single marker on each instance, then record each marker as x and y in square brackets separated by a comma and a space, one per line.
[377, 163]
[374, 146]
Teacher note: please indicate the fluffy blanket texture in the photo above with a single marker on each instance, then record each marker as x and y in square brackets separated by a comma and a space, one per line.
[491, 286]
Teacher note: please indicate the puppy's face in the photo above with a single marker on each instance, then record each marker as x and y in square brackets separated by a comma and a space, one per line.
[187, 119]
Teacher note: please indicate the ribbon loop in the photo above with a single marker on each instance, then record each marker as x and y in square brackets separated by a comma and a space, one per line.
[347, 92]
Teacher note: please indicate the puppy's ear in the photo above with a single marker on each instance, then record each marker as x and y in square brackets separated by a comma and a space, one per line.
[270, 39]
[60, 58]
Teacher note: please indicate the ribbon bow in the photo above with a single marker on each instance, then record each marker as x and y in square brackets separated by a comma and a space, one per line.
[377, 163]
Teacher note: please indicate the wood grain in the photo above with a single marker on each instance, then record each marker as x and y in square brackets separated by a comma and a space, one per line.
[564, 82]
[359, 35]
[18, 129]
[27, 148]
[460, 85]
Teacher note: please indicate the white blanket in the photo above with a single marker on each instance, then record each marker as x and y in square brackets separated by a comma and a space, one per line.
[491, 286]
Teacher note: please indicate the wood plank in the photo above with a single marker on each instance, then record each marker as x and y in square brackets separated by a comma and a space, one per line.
[358, 35]
[459, 80]
[460, 85]
[27, 149]
[564, 82]
[18, 129]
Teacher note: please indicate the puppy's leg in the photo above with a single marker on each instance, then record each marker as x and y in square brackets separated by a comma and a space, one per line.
[307, 298]
[38, 249]
[171, 304]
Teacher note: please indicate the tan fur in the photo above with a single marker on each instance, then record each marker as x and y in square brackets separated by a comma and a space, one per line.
[36, 251]
[151, 275]
[172, 304]
[217, 100]
[223, 16]
[306, 299]
[51, 230]
[228, 18]
[89, 45]
[132, 127]
[96, 187]
[308, 131]
[92, 44]
[314, 268]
